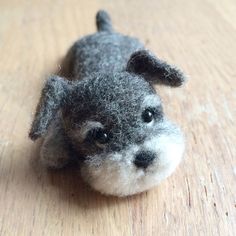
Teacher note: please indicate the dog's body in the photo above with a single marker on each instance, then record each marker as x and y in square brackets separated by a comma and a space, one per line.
[108, 115]
[103, 51]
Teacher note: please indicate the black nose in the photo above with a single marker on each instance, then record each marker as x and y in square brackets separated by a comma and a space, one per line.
[144, 158]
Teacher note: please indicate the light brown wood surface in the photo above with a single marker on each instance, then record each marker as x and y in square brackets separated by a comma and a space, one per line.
[200, 197]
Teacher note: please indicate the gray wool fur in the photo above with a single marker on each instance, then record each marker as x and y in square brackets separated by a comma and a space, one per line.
[104, 112]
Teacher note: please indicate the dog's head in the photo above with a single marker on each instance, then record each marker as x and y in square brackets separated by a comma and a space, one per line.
[116, 123]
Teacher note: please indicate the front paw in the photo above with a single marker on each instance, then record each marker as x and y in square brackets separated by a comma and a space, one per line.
[55, 159]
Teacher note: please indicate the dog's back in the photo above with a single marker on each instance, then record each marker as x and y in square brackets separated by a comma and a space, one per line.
[104, 51]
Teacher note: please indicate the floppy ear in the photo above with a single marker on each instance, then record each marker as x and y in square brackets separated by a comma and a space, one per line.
[53, 97]
[154, 70]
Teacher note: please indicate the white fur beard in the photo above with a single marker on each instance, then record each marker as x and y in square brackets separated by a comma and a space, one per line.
[116, 174]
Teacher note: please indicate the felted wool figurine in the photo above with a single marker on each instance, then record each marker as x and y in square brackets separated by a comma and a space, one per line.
[105, 113]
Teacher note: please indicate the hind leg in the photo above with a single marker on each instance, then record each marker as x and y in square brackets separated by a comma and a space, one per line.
[67, 65]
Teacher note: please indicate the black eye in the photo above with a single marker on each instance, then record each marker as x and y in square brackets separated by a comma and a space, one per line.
[99, 136]
[148, 115]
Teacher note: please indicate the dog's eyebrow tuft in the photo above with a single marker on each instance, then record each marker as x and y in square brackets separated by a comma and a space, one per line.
[151, 101]
[82, 131]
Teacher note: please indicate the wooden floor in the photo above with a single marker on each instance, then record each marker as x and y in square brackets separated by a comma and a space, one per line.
[200, 197]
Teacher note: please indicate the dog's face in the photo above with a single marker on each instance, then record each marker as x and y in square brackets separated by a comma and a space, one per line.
[117, 125]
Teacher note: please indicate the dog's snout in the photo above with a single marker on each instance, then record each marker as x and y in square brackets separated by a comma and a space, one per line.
[144, 158]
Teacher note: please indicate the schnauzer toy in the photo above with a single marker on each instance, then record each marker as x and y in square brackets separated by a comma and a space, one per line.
[104, 112]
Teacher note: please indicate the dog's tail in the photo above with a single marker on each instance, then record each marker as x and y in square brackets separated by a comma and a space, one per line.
[103, 21]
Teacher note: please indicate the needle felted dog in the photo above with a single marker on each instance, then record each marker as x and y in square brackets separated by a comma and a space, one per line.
[106, 114]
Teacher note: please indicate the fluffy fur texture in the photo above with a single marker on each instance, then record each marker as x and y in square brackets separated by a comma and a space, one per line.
[105, 114]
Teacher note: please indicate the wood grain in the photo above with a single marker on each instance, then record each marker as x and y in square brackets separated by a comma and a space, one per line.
[200, 198]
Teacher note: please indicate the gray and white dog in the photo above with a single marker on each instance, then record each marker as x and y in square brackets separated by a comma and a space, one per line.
[107, 115]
